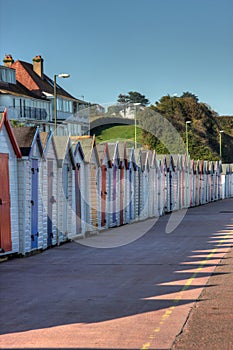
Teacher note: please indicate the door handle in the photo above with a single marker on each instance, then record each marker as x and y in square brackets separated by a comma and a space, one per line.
[3, 202]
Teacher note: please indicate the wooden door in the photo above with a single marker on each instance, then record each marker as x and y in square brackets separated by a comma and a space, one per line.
[78, 199]
[5, 218]
[65, 175]
[93, 191]
[130, 195]
[103, 194]
[34, 204]
[114, 197]
[50, 202]
[121, 195]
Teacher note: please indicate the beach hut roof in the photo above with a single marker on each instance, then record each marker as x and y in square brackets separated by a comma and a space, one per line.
[88, 144]
[46, 139]
[103, 153]
[112, 150]
[62, 146]
[123, 153]
[131, 158]
[5, 121]
[27, 137]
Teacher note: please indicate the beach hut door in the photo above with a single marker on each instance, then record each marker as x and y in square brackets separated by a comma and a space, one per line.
[5, 221]
[121, 195]
[130, 195]
[78, 199]
[34, 204]
[51, 200]
[103, 196]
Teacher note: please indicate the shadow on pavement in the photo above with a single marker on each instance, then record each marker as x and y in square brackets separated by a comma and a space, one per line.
[78, 284]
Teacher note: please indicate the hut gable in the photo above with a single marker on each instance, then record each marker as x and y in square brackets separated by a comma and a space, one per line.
[114, 153]
[44, 136]
[154, 163]
[139, 158]
[29, 141]
[131, 158]
[64, 150]
[5, 124]
[171, 164]
[104, 154]
[90, 150]
[123, 154]
[9, 152]
[48, 144]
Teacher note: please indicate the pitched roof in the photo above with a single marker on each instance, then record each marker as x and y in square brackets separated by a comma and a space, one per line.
[26, 136]
[62, 146]
[4, 121]
[18, 89]
[111, 149]
[87, 145]
[43, 84]
[44, 137]
[103, 151]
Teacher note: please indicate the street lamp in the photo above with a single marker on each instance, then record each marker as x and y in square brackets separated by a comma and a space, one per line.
[220, 143]
[187, 137]
[62, 75]
[135, 124]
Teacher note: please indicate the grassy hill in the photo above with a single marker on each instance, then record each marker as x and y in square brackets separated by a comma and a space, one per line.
[113, 133]
[203, 132]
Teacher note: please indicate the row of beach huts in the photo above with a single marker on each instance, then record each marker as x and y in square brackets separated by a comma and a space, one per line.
[55, 188]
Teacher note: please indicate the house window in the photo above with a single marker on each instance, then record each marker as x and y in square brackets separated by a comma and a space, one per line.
[64, 105]
[7, 75]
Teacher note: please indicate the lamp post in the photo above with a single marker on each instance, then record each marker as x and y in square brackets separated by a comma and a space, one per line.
[187, 136]
[135, 124]
[220, 143]
[62, 75]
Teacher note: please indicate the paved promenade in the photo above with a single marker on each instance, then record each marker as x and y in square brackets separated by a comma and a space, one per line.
[159, 291]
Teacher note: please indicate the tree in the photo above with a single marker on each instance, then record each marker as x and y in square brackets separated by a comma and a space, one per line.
[133, 97]
[190, 95]
[123, 98]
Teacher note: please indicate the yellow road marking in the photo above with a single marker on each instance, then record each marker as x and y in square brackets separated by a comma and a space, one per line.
[188, 283]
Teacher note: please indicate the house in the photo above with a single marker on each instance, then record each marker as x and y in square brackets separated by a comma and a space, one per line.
[69, 119]
[23, 106]
[9, 196]
[30, 181]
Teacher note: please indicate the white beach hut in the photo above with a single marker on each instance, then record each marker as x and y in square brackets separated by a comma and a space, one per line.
[9, 200]
[30, 180]
[50, 198]
[65, 189]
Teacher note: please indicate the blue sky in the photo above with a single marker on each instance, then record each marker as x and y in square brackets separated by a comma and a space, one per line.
[155, 47]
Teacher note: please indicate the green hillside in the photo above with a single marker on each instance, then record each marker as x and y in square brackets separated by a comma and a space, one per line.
[113, 133]
[153, 123]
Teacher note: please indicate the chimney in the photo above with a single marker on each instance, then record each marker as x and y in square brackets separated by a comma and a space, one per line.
[8, 61]
[38, 65]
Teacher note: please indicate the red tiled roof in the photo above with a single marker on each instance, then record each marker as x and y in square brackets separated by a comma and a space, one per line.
[17, 89]
[26, 76]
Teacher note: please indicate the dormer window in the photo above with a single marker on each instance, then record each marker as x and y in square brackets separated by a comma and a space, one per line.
[7, 75]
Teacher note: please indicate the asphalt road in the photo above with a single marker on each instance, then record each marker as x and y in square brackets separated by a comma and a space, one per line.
[139, 295]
